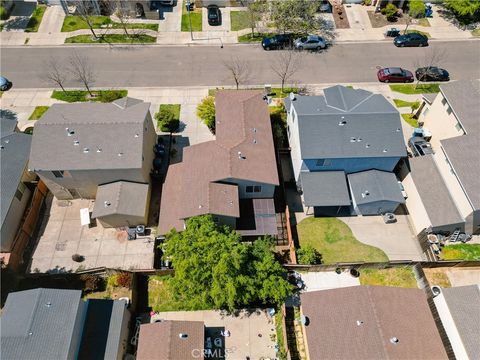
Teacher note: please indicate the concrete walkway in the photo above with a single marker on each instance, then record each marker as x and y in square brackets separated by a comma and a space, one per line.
[52, 20]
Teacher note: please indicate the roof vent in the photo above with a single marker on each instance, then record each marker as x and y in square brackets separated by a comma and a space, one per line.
[76, 142]
[254, 130]
[367, 145]
[385, 150]
[120, 154]
[48, 304]
[200, 206]
[394, 340]
[398, 130]
[99, 149]
[2, 147]
[69, 131]
[359, 139]
[352, 139]
[107, 203]
[342, 123]
[254, 141]
[241, 156]
[359, 322]
[86, 150]
[30, 333]
[183, 336]
[365, 194]
[136, 135]
[7, 141]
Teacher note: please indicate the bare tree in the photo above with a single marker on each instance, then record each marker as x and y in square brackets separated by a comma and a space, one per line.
[433, 57]
[82, 70]
[285, 65]
[121, 10]
[238, 70]
[55, 72]
[255, 10]
[84, 11]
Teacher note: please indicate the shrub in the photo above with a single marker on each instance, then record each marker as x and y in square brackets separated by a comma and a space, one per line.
[124, 279]
[308, 255]
[166, 120]
[206, 112]
[3, 13]
[417, 9]
[92, 282]
[391, 12]
[367, 2]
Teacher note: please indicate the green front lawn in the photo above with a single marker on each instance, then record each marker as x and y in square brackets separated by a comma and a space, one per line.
[239, 20]
[38, 112]
[415, 89]
[461, 252]
[410, 119]
[399, 277]
[196, 17]
[111, 39]
[74, 22]
[335, 241]
[160, 296]
[104, 96]
[36, 18]
[402, 103]
[247, 38]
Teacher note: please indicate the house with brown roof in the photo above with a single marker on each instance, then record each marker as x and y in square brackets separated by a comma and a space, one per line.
[370, 322]
[171, 340]
[232, 177]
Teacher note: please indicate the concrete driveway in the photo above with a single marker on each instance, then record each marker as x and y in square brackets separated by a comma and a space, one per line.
[224, 26]
[324, 280]
[171, 18]
[396, 240]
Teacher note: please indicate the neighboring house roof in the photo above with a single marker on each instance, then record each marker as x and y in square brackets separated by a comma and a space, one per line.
[121, 197]
[462, 96]
[436, 198]
[325, 188]
[103, 329]
[429, 97]
[162, 340]
[8, 123]
[257, 217]
[347, 123]
[243, 149]
[374, 185]
[362, 322]
[108, 136]
[464, 306]
[15, 149]
[39, 324]
[463, 153]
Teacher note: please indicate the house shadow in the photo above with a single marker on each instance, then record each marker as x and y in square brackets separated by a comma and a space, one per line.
[178, 143]
[214, 343]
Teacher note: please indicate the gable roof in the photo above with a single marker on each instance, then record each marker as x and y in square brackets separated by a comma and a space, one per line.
[360, 321]
[121, 197]
[347, 123]
[39, 324]
[204, 182]
[375, 185]
[162, 341]
[15, 149]
[109, 136]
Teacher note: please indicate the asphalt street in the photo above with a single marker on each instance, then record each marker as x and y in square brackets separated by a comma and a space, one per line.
[156, 66]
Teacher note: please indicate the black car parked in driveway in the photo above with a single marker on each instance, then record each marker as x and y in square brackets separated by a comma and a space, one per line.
[281, 41]
[411, 39]
[214, 15]
[432, 73]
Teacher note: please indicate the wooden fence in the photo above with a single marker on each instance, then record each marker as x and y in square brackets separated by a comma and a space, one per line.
[291, 244]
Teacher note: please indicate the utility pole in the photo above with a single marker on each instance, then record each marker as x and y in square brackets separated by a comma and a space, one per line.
[187, 4]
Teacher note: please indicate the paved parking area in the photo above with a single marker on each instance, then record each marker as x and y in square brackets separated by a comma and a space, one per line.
[396, 240]
[324, 280]
[225, 17]
[250, 331]
[61, 235]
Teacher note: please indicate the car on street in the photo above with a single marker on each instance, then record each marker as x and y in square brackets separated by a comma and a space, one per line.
[310, 42]
[394, 74]
[432, 73]
[5, 84]
[411, 39]
[214, 15]
[420, 146]
[280, 41]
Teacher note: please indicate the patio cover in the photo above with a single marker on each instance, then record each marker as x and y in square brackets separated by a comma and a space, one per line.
[325, 188]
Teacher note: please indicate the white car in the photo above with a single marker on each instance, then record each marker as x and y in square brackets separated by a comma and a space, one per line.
[310, 42]
[402, 189]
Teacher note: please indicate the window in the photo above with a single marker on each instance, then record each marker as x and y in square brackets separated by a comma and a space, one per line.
[58, 173]
[458, 126]
[19, 192]
[257, 189]
[323, 162]
[288, 132]
[444, 101]
[249, 189]
[449, 110]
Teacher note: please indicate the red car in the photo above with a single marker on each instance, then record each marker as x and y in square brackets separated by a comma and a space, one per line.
[394, 74]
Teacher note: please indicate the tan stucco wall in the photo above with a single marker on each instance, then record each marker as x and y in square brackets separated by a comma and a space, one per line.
[417, 212]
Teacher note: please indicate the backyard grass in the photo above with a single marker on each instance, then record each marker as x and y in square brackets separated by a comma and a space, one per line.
[402, 103]
[461, 252]
[111, 39]
[73, 22]
[38, 112]
[104, 96]
[195, 16]
[437, 276]
[247, 38]
[419, 32]
[279, 333]
[239, 20]
[36, 18]
[476, 32]
[335, 241]
[415, 89]
[160, 296]
[409, 119]
[399, 277]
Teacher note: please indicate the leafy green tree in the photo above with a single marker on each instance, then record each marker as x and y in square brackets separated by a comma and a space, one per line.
[465, 10]
[206, 112]
[416, 8]
[308, 255]
[166, 120]
[214, 269]
[297, 16]
[391, 12]
[255, 11]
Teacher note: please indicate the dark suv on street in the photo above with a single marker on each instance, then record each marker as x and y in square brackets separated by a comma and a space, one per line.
[280, 41]
[411, 39]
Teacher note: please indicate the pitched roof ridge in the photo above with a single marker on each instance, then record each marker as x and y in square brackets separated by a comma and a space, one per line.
[362, 101]
[117, 200]
[377, 320]
[340, 90]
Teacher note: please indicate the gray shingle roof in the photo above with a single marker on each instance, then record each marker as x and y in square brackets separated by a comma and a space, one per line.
[376, 186]
[348, 123]
[436, 198]
[14, 158]
[121, 197]
[464, 305]
[32, 329]
[103, 131]
[325, 188]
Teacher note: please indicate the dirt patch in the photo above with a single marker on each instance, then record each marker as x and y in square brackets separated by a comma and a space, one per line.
[437, 276]
[340, 17]
[379, 20]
